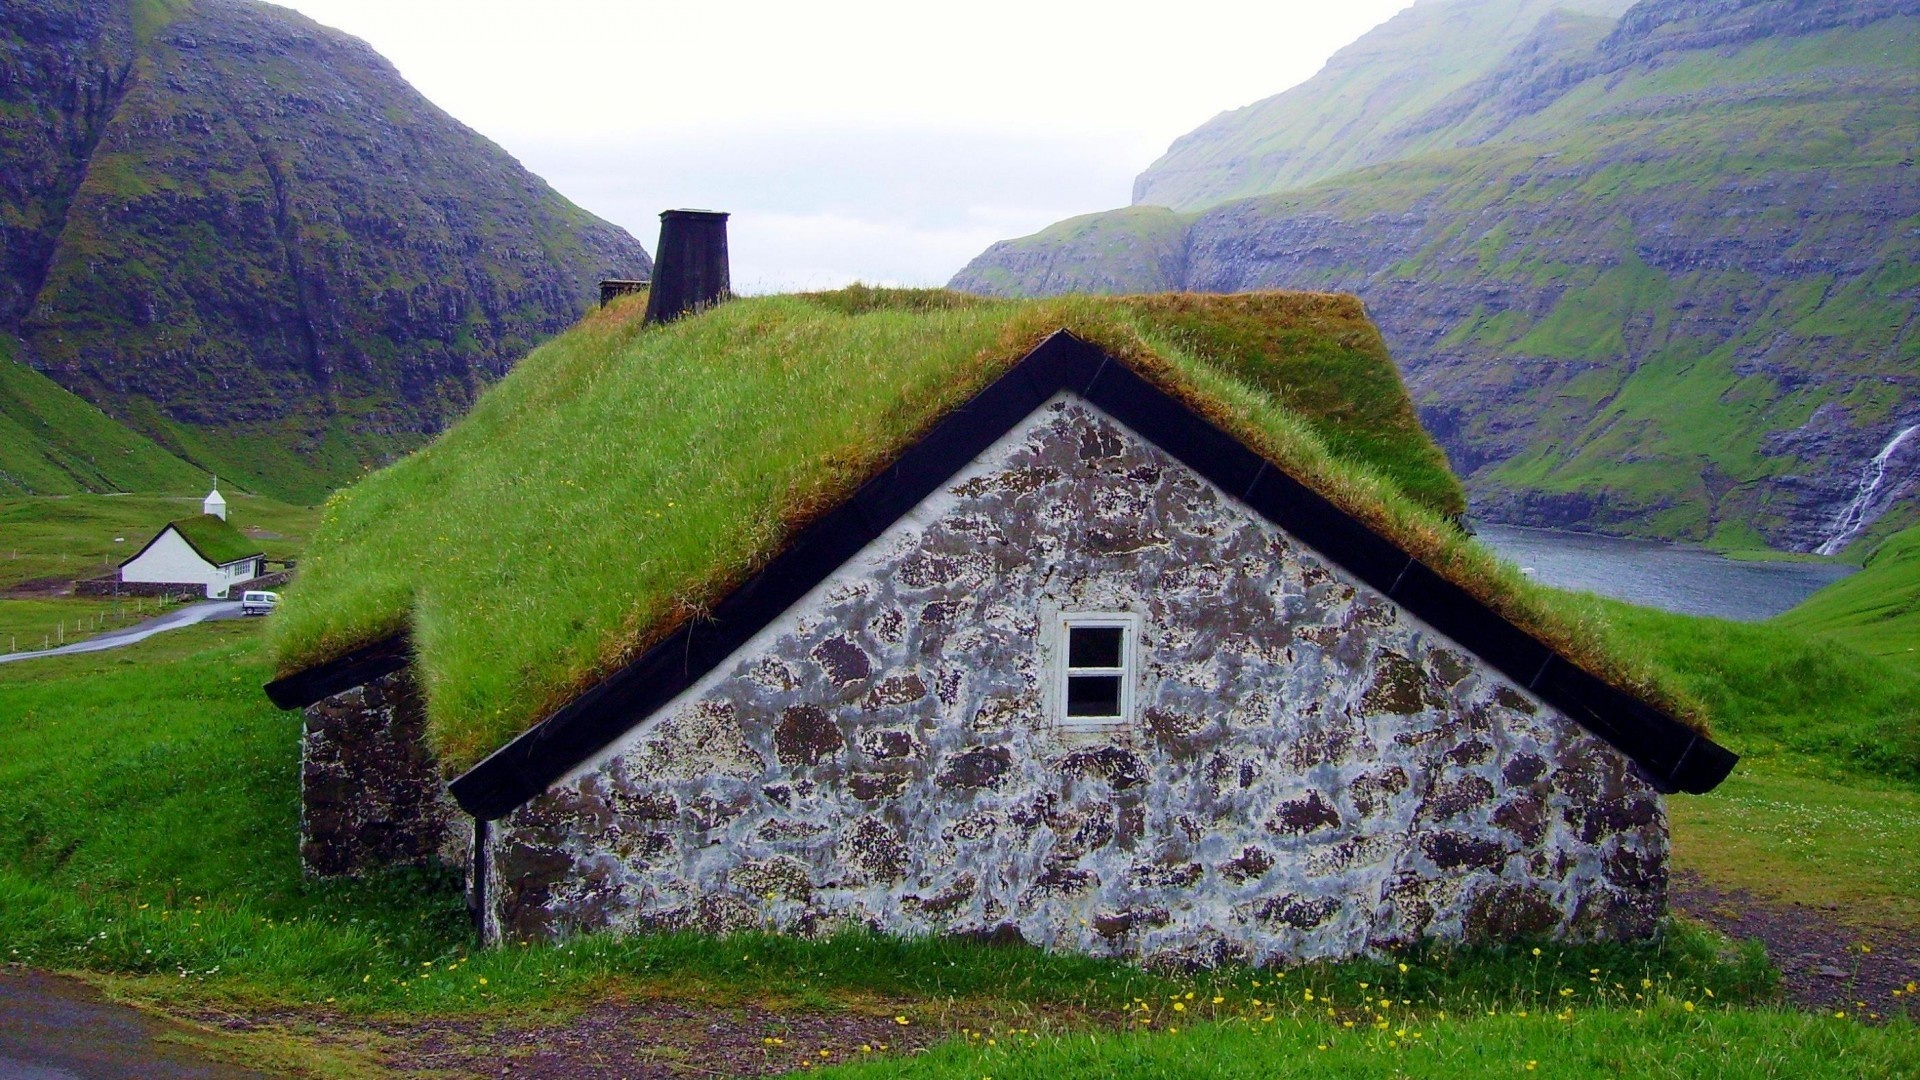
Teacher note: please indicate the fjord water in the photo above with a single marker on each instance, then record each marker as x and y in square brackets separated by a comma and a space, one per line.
[1672, 577]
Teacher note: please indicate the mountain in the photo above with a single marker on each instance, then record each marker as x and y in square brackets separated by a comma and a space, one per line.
[1653, 275]
[245, 237]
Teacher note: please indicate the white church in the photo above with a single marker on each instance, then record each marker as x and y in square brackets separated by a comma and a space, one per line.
[203, 550]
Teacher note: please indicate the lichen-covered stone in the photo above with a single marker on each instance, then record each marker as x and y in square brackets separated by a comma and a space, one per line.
[979, 767]
[1310, 772]
[1297, 817]
[806, 735]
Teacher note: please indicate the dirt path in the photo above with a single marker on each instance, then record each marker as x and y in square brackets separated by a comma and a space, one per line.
[645, 1039]
[1824, 963]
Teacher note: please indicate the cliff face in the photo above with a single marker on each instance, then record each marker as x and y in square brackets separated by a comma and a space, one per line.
[247, 237]
[1654, 277]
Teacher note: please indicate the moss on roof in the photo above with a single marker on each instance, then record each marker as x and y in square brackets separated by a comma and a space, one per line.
[216, 540]
[623, 477]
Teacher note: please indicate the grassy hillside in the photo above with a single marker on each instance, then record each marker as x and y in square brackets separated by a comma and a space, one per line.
[1779, 691]
[295, 460]
[1141, 249]
[53, 443]
[1668, 286]
[1876, 611]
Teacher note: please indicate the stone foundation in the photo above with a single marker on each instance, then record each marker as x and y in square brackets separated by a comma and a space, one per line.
[371, 792]
[1311, 773]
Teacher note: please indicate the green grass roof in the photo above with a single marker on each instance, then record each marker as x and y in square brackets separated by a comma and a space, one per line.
[623, 477]
[216, 540]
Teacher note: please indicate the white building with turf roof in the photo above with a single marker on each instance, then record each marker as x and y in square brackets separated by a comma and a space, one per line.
[203, 551]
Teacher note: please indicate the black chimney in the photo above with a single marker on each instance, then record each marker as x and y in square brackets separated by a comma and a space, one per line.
[690, 265]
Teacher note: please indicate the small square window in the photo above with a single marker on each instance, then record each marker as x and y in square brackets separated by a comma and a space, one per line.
[1097, 669]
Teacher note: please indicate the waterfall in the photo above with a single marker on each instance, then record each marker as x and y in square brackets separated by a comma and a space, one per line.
[1859, 513]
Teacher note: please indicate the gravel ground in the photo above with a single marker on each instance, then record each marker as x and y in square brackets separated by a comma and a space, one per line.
[1824, 963]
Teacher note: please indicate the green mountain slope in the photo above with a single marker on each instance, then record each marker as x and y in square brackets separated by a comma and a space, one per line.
[1661, 284]
[53, 443]
[1877, 610]
[245, 236]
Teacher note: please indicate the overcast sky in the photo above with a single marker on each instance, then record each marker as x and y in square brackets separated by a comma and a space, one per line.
[883, 142]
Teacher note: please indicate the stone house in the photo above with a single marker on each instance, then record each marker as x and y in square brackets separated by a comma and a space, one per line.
[1080, 668]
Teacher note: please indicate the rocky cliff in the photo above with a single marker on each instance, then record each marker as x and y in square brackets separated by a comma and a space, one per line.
[1656, 275]
[245, 236]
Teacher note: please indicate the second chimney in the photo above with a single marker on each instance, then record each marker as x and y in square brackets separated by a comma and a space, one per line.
[690, 265]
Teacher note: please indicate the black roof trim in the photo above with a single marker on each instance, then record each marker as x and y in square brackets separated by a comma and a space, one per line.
[344, 672]
[1673, 756]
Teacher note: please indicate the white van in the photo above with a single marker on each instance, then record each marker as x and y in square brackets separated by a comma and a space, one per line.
[258, 603]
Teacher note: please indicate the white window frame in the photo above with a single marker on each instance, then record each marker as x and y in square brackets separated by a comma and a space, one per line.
[1129, 625]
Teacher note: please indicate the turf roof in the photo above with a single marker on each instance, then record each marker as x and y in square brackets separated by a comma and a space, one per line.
[624, 478]
[215, 539]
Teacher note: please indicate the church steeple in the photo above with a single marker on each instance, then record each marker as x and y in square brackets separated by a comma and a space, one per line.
[214, 504]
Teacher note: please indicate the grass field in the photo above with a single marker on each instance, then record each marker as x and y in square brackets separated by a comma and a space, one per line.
[1792, 830]
[148, 821]
[1665, 1041]
[30, 624]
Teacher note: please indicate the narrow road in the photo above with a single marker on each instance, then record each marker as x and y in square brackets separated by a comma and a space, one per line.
[59, 1029]
[114, 639]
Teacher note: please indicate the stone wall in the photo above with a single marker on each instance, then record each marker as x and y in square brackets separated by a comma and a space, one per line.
[265, 582]
[371, 793]
[113, 586]
[1311, 773]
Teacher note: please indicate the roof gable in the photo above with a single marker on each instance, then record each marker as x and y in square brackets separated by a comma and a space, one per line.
[1674, 755]
[211, 538]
